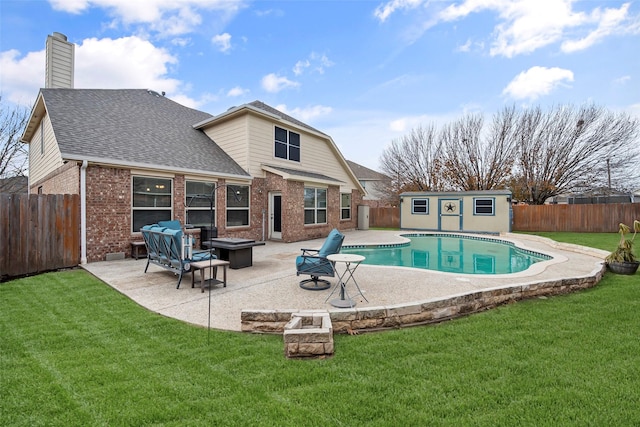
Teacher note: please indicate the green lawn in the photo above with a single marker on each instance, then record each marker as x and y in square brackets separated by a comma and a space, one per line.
[604, 241]
[74, 352]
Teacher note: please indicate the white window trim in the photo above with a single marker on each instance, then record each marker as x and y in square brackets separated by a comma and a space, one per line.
[413, 211]
[345, 207]
[237, 208]
[133, 208]
[200, 208]
[493, 206]
[316, 208]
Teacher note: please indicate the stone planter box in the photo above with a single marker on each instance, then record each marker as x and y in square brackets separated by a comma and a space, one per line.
[308, 334]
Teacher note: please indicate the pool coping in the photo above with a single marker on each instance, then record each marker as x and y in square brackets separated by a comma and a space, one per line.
[435, 310]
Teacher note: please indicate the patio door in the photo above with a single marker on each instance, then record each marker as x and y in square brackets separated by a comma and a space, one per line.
[450, 211]
[275, 216]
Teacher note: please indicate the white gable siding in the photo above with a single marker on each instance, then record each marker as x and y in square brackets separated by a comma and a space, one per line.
[232, 137]
[316, 154]
[42, 163]
[250, 139]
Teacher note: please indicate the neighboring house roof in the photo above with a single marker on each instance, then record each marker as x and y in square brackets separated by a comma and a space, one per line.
[14, 185]
[365, 174]
[132, 127]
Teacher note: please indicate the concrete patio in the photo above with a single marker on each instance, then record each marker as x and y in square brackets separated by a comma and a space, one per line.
[271, 283]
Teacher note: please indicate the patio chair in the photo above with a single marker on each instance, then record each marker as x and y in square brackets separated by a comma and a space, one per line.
[314, 262]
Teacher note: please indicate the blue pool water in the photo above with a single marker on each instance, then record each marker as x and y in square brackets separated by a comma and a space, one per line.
[450, 253]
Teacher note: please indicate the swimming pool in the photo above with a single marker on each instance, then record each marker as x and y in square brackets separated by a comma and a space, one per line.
[450, 253]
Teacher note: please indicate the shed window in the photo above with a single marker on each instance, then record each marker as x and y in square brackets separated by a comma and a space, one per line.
[484, 206]
[420, 206]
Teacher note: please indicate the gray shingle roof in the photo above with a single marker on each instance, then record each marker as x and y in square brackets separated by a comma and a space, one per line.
[306, 174]
[133, 126]
[269, 109]
[364, 173]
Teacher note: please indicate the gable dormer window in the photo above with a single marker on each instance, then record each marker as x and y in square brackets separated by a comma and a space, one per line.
[287, 145]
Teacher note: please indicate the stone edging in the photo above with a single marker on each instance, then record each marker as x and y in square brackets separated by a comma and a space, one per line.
[421, 312]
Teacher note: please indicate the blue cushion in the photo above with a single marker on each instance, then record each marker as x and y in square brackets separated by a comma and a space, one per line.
[176, 247]
[314, 266]
[202, 256]
[173, 224]
[333, 243]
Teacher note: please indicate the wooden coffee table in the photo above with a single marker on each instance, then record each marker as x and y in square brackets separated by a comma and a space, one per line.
[213, 272]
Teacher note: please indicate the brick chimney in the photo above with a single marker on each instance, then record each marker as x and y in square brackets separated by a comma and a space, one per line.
[60, 61]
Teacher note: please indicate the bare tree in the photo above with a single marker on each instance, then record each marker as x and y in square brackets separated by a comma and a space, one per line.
[13, 153]
[568, 149]
[479, 159]
[412, 162]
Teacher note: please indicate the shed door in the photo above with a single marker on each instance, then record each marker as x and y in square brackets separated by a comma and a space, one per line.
[450, 211]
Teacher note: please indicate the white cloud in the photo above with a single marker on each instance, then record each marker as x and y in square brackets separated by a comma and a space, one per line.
[181, 41]
[124, 63]
[622, 80]
[306, 114]
[536, 82]
[222, 41]
[22, 76]
[609, 22]
[168, 17]
[525, 25]
[273, 83]
[237, 91]
[464, 47]
[301, 66]
[316, 62]
[127, 62]
[383, 11]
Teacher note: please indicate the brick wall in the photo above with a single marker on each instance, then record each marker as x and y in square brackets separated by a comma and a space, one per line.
[108, 212]
[63, 180]
[293, 227]
[109, 208]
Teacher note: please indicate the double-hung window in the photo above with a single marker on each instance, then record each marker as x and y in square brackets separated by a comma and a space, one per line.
[315, 205]
[237, 205]
[420, 206]
[484, 206]
[200, 203]
[152, 201]
[345, 206]
[287, 145]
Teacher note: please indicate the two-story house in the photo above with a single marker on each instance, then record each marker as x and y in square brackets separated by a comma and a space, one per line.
[136, 157]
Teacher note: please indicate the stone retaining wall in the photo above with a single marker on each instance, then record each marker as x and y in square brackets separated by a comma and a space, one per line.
[420, 312]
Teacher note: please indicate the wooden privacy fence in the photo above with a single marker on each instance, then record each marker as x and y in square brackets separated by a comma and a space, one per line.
[602, 218]
[38, 233]
[384, 217]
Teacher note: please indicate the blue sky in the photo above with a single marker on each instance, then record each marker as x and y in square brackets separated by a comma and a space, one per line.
[365, 72]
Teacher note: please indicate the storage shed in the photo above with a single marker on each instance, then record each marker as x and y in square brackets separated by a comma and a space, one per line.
[486, 211]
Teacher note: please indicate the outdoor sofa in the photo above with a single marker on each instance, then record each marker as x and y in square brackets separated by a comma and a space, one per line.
[170, 248]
